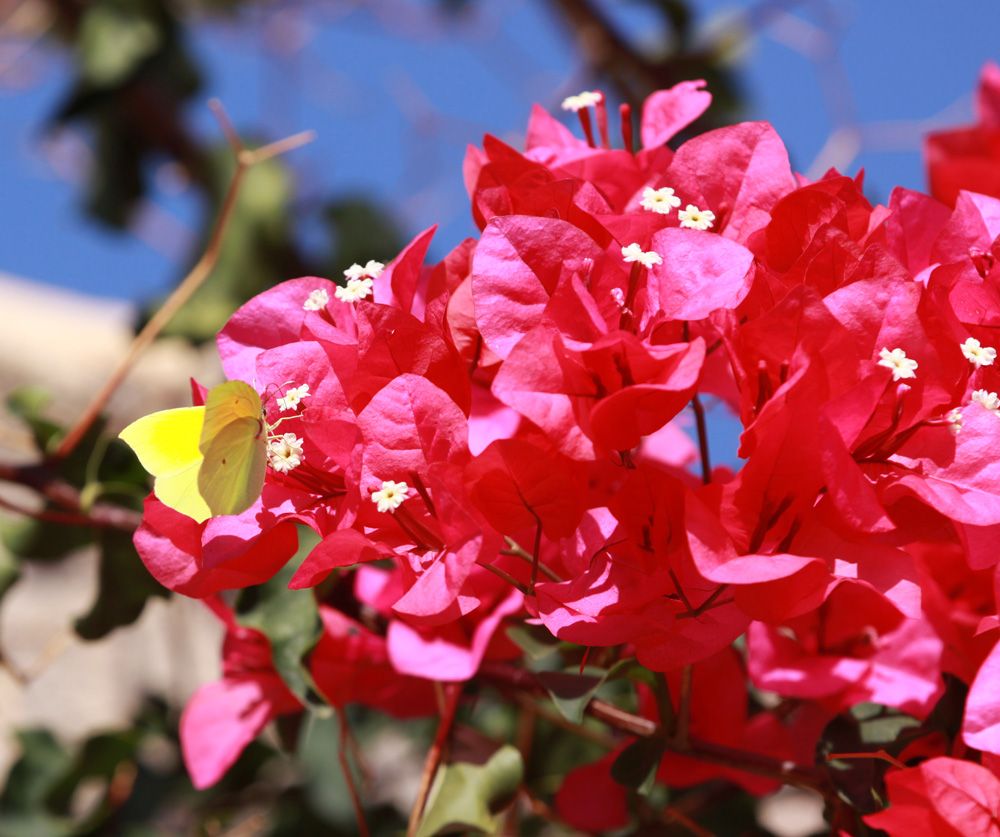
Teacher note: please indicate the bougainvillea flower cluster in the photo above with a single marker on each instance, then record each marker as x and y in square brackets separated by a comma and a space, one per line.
[516, 436]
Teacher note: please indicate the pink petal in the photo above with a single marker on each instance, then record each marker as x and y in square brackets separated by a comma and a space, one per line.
[667, 112]
[222, 718]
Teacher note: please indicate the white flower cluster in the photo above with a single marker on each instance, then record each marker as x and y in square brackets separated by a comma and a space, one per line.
[360, 281]
[284, 452]
[663, 200]
[586, 99]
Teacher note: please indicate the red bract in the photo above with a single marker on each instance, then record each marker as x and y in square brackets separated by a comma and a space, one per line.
[969, 158]
[943, 797]
[223, 553]
[350, 665]
[517, 437]
[222, 718]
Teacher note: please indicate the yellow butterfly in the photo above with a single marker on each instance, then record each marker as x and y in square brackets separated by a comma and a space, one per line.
[206, 461]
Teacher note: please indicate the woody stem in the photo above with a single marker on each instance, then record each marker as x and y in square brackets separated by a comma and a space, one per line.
[202, 269]
[434, 755]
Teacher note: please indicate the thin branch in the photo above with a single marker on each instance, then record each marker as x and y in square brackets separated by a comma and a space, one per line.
[345, 767]
[60, 493]
[880, 755]
[515, 550]
[535, 554]
[506, 576]
[681, 736]
[434, 756]
[749, 762]
[699, 417]
[192, 282]
[47, 515]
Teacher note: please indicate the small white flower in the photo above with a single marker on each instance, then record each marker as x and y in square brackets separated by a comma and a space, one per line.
[371, 270]
[634, 253]
[696, 219]
[390, 497]
[354, 290]
[317, 300]
[293, 397]
[977, 354]
[618, 295]
[284, 452]
[586, 99]
[954, 419]
[897, 361]
[987, 400]
[660, 201]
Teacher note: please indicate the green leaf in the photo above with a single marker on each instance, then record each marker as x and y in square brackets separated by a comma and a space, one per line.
[113, 41]
[42, 764]
[571, 691]
[636, 765]
[533, 640]
[465, 797]
[29, 403]
[289, 619]
[323, 778]
[867, 728]
[124, 587]
[36, 540]
[10, 570]
[257, 247]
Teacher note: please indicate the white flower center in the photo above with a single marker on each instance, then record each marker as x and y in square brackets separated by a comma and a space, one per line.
[390, 496]
[660, 201]
[987, 400]
[634, 253]
[696, 219]
[898, 363]
[371, 270]
[954, 419]
[977, 354]
[284, 452]
[354, 290]
[293, 397]
[317, 300]
[586, 99]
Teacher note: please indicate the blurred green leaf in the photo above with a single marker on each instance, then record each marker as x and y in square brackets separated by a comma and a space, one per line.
[636, 765]
[359, 231]
[124, 587]
[866, 728]
[257, 248]
[289, 619]
[29, 404]
[319, 747]
[10, 570]
[36, 540]
[465, 797]
[42, 763]
[533, 640]
[114, 38]
[571, 691]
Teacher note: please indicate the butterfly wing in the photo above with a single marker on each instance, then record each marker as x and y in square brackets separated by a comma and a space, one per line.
[167, 445]
[234, 447]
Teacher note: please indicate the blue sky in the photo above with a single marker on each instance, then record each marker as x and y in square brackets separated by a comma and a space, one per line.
[395, 99]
